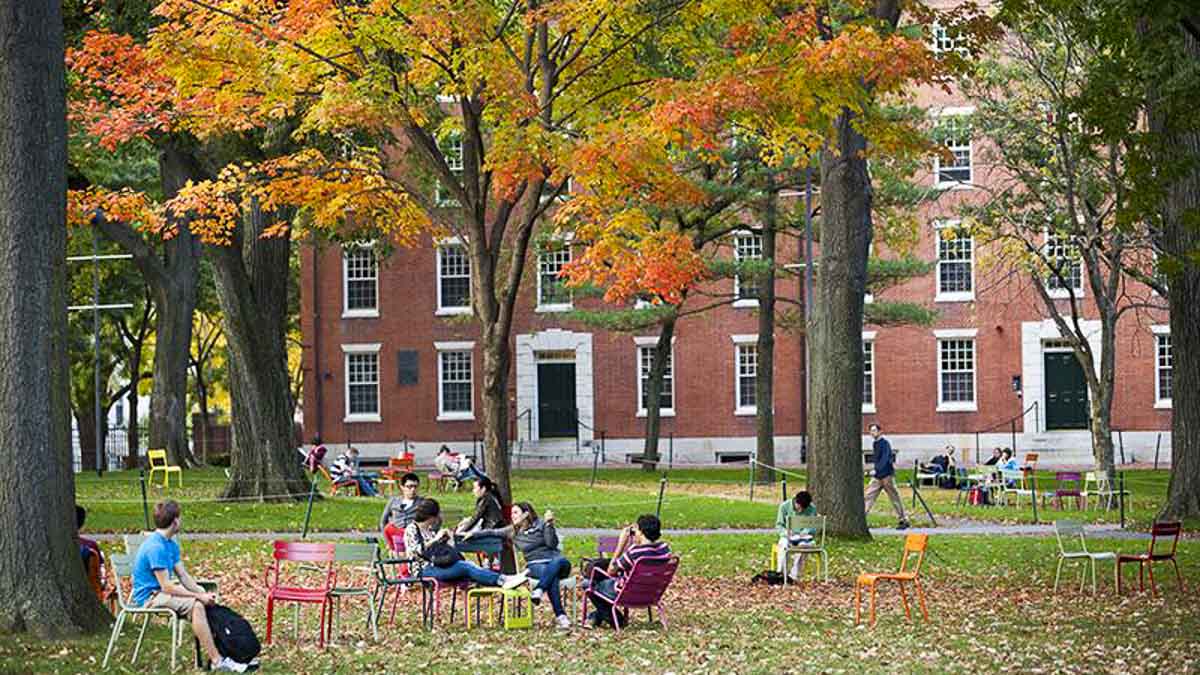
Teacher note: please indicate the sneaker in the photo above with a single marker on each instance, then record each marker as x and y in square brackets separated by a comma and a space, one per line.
[591, 621]
[536, 595]
[511, 582]
[562, 621]
[228, 665]
[902, 525]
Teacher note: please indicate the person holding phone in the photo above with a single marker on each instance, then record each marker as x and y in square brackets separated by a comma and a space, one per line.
[639, 540]
[537, 539]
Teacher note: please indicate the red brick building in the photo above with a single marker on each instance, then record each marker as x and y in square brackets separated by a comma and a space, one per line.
[390, 357]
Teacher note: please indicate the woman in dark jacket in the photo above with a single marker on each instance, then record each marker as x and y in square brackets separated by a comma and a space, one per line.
[537, 540]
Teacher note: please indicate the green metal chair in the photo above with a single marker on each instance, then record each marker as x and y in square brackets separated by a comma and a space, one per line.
[810, 525]
[1068, 533]
[355, 553]
[122, 566]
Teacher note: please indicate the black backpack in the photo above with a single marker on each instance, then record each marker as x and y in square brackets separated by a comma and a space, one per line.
[768, 577]
[233, 634]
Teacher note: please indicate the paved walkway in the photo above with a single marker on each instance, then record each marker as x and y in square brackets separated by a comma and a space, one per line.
[958, 528]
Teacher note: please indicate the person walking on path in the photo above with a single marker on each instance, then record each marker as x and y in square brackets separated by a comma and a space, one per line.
[885, 476]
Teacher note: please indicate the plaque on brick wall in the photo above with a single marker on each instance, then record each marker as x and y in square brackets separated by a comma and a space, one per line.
[407, 360]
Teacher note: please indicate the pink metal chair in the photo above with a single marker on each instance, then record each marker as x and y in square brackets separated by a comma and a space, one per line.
[642, 587]
[1068, 484]
[285, 590]
[396, 544]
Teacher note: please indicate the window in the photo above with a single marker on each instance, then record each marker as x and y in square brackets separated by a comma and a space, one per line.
[362, 382]
[953, 131]
[868, 403]
[455, 396]
[746, 370]
[956, 370]
[553, 294]
[360, 282]
[955, 254]
[746, 246]
[943, 40]
[454, 279]
[666, 397]
[1163, 381]
[452, 149]
[1061, 255]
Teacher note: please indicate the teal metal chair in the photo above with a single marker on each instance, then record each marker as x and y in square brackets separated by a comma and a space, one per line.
[1072, 545]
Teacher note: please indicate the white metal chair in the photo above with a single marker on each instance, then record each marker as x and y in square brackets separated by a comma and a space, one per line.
[1013, 482]
[1099, 484]
[122, 566]
[1068, 532]
[810, 525]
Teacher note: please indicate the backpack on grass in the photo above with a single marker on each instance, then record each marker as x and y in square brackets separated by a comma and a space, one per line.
[233, 634]
[768, 577]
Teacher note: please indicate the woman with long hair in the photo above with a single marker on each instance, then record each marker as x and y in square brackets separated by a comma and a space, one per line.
[537, 540]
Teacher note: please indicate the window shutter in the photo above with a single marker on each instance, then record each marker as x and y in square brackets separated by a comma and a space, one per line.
[407, 361]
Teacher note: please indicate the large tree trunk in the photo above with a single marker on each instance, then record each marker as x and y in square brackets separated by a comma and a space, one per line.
[173, 277]
[764, 381]
[835, 331]
[1181, 239]
[42, 585]
[658, 371]
[251, 280]
[496, 360]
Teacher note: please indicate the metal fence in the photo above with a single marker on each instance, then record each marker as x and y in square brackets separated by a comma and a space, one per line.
[116, 448]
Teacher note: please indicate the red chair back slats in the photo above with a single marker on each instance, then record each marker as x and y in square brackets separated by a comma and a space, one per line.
[295, 551]
[1169, 530]
[647, 581]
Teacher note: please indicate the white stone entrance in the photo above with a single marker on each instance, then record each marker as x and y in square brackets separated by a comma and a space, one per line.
[1034, 336]
[556, 345]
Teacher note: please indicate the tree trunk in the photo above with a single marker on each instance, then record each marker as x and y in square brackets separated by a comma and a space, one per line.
[496, 360]
[835, 331]
[132, 441]
[173, 278]
[251, 279]
[43, 589]
[1181, 239]
[1101, 394]
[658, 371]
[764, 380]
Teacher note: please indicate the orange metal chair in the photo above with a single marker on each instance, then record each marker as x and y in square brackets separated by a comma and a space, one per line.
[1145, 561]
[913, 544]
[334, 488]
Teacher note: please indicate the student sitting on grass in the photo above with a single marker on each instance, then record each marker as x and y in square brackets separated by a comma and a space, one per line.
[639, 540]
[537, 540]
[432, 555]
[799, 505]
[161, 580]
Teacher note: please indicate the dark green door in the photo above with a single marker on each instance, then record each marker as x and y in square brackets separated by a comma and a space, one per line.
[556, 399]
[1066, 392]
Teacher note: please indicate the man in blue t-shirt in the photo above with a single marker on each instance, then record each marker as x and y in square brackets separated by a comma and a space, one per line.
[885, 475]
[161, 580]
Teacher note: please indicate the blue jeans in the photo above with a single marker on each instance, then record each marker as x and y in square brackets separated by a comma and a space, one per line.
[469, 473]
[462, 570]
[548, 573]
[365, 486]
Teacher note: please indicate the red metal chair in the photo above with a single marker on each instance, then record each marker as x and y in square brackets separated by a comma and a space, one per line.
[1068, 484]
[1145, 561]
[279, 588]
[643, 586]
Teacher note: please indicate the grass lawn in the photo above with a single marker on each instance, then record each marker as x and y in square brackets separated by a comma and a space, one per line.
[990, 602]
[694, 498]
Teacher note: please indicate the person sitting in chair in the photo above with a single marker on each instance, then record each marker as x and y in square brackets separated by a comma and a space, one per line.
[637, 541]
[345, 470]
[400, 511]
[799, 505]
[425, 542]
[161, 580]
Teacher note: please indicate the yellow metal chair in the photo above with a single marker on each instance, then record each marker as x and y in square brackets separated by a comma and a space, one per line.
[158, 462]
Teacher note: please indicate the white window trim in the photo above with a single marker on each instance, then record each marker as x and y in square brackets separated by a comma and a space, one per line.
[361, 348]
[554, 306]
[742, 303]
[649, 341]
[956, 111]
[957, 334]
[437, 273]
[741, 341]
[358, 313]
[955, 296]
[463, 346]
[1161, 403]
[1062, 293]
[869, 336]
